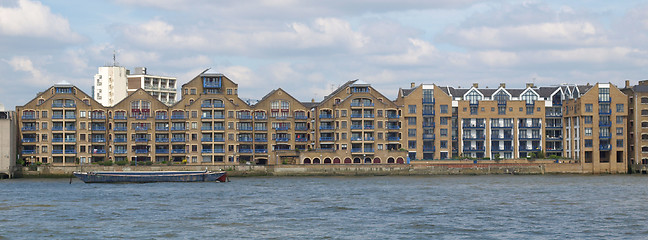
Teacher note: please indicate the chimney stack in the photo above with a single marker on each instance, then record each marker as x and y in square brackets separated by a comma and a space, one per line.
[627, 83]
[530, 85]
[503, 85]
[413, 85]
[476, 85]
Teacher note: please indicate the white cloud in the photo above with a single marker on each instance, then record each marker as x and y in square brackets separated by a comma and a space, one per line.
[24, 64]
[33, 19]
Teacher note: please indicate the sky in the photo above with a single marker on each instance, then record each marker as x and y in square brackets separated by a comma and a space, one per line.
[308, 48]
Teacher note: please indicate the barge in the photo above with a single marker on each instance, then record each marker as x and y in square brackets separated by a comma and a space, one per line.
[151, 176]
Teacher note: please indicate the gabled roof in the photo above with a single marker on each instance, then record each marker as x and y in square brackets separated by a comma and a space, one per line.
[136, 91]
[341, 88]
[640, 88]
[546, 92]
[275, 91]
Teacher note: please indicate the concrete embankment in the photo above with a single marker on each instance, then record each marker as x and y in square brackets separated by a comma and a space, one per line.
[461, 167]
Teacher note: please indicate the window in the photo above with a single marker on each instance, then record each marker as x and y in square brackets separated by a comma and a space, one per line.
[619, 142]
[529, 110]
[344, 136]
[411, 132]
[411, 144]
[444, 144]
[589, 107]
[644, 100]
[444, 132]
[82, 114]
[194, 114]
[529, 97]
[588, 143]
[644, 112]
[501, 97]
[619, 131]
[411, 108]
[44, 138]
[379, 113]
[444, 120]
[501, 110]
[411, 121]
[644, 124]
[444, 108]
[343, 113]
[588, 131]
[193, 91]
[229, 91]
[587, 119]
[44, 125]
[619, 107]
[428, 95]
[473, 97]
[604, 94]
[473, 110]
[343, 124]
[44, 114]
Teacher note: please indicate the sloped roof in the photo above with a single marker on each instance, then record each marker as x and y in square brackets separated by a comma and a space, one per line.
[640, 88]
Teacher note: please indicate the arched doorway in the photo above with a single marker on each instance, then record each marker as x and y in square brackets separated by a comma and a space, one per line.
[336, 160]
[316, 161]
[356, 160]
[307, 161]
[367, 160]
[327, 160]
[400, 160]
[347, 160]
[376, 160]
[390, 160]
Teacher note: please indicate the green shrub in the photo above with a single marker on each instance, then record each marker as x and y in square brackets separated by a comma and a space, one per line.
[105, 163]
[121, 162]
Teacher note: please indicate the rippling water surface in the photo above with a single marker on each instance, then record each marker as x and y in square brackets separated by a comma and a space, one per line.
[438, 207]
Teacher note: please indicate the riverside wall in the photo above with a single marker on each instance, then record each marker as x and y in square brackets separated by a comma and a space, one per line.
[453, 167]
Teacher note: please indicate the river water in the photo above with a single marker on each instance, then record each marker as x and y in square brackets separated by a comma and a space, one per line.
[435, 207]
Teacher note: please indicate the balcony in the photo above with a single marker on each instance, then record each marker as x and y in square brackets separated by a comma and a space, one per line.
[97, 128]
[527, 137]
[429, 148]
[219, 128]
[219, 150]
[28, 117]
[368, 150]
[245, 139]
[282, 139]
[605, 124]
[57, 128]
[161, 117]
[533, 125]
[57, 139]
[474, 137]
[326, 139]
[141, 151]
[556, 126]
[218, 105]
[428, 101]
[161, 128]
[393, 139]
[554, 149]
[206, 105]
[220, 116]
[29, 140]
[369, 116]
[353, 127]
[369, 139]
[260, 139]
[327, 127]
[244, 117]
[70, 116]
[356, 115]
[478, 125]
[245, 150]
[162, 140]
[245, 128]
[605, 136]
[28, 128]
[206, 139]
[355, 138]
[219, 139]
[177, 151]
[504, 149]
[207, 151]
[301, 128]
[301, 117]
[70, 140]
[120, 117]
[429, 136]
[178, 116]
[141, 128]
[57, 151]
[474, 149]
[57, 105]
[605, 112]
[121, 151]
[325, 116]
[28, 151]
[141, 140]
[502, 137]
[98, 151]
[177, 139]
[178, 128]
[356, 150]
[57, 116]
[206, 128]
[301, 139]
[260, 150]
[529, 149]
[282, 128]
[392, 116]
[368, 127]
[605, 147]
[256, 117]
[428, 125]
[206, 116]
[98, 117]
[428, 113]
[70, 128]
[98, 140]
[162, 151]
[120, 140]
